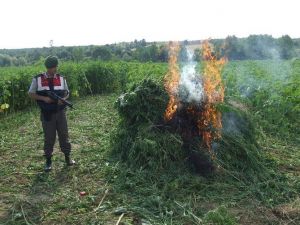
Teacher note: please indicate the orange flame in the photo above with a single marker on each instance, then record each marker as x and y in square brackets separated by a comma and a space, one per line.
[171, 80]
[210, 122]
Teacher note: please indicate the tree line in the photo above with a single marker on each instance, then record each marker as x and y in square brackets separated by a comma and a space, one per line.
[252, 47]
[130, 51]
[260, 47]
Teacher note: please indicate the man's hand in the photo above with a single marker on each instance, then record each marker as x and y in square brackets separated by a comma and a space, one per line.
[48, 100]
[40, 98]
[60, 102]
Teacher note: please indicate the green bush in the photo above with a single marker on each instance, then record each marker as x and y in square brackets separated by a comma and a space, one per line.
[139, 139]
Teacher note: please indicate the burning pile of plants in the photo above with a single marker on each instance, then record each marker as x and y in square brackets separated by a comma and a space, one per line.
[185, 121]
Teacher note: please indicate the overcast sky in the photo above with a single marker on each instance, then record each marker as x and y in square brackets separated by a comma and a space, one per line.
[33, 23]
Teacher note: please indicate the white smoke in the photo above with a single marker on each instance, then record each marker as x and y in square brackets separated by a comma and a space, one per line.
[190, 84]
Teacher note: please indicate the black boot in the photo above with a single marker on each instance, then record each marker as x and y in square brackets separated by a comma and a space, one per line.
[69, 161]
[48, 165]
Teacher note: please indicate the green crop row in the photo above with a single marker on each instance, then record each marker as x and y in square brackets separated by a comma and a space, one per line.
[92, 77]
[271, 90]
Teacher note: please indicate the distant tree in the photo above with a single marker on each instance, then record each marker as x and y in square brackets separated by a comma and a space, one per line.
[259, 47]
[118, 51]
[64, 54]
[183, 54]
[22, 61]
[253, 50]
[5, 60]
[233, 49]
[138, 44]
[143, 43]
[197, 55]
[142, 54]
[14, 61]
[102, 52]
[88, 52]
[163, 54]
[35, 55]
[126, 57]
[286, 47]
[153, 52]
[77, 54]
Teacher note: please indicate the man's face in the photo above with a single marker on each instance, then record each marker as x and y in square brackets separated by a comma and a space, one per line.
[52, 70]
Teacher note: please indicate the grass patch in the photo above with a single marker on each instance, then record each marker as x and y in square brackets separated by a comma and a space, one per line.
[175, 196]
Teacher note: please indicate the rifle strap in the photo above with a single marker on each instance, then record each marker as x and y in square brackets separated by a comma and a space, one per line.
[51, 87]
[50, 83]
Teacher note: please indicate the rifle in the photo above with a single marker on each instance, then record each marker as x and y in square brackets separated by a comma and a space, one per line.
[55, 97]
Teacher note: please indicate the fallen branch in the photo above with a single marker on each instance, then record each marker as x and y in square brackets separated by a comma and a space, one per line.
[27, 223]
[120, 218]
[196, 218]
[105, 194]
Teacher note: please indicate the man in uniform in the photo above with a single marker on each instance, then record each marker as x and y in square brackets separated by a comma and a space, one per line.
[53, 113]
